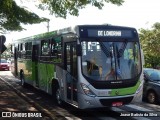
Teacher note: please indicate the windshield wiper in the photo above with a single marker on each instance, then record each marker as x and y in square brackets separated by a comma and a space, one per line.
[105, 49]
[121, 50]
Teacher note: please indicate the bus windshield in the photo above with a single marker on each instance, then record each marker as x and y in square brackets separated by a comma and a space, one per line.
[110, 60]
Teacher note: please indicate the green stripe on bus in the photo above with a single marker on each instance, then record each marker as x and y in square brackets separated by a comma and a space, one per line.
[125, 91]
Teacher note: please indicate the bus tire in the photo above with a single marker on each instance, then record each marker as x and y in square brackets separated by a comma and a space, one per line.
[58, 97]
[56, 93]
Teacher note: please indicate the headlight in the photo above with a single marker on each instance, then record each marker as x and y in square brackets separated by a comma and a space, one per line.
[87, 91]
[140, 87]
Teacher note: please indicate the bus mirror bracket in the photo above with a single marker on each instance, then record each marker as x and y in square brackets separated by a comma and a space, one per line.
[79, 50]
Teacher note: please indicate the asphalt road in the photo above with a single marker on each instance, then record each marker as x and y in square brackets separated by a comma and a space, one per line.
[41, 102]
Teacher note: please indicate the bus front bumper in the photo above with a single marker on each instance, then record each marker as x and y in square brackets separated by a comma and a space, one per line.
[98, 102]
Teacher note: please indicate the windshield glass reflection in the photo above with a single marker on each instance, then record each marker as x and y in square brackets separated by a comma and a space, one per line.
[110, 60]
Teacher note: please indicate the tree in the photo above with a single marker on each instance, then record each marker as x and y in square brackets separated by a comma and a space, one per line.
[61, 8]
[12, 15]
[150, 40]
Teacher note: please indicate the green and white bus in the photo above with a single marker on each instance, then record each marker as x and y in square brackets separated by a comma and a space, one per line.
[87, 66]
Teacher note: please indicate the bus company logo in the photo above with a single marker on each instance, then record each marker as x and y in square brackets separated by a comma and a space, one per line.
[6, 114]
[19, 114]
[116, 82]
[117, 92]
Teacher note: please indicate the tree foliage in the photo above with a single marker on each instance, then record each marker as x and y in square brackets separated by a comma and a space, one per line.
[11, 16]
[150, 40]
[61, 8]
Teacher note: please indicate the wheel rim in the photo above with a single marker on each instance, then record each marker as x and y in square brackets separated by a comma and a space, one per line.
[58, 97]
[151, 97]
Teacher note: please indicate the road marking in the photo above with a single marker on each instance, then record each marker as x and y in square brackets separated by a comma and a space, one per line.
[141, 118]
[106, 118]
[64, 112]
[138, 107]
[74, 118]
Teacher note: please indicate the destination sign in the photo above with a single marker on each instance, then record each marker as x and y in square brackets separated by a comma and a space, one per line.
[111, 33]
[108, 33]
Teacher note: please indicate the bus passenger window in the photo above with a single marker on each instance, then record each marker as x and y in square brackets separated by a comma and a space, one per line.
[56, 48]
[45, 47]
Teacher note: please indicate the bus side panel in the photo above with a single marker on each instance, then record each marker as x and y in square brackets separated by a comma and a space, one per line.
[45, 75]
[33, 73]
[61, 77]
[26, 66]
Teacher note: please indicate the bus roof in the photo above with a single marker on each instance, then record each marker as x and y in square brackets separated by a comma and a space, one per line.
[84, 31]
[38, 36]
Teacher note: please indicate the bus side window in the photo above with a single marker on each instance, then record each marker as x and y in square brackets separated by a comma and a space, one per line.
[53, 47]
[23, 50]
[28, 50]
[45, 47]
[56, 48]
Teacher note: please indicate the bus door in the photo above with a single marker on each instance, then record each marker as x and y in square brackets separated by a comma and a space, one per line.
[71, 75]
[35, 64]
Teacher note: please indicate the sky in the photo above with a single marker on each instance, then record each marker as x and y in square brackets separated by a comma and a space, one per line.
[133, 13]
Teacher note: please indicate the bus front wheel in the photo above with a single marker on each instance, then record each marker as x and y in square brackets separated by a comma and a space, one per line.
[58, 97]
[56, 93]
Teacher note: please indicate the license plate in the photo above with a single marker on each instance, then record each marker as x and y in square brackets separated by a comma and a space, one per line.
[114, 104]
